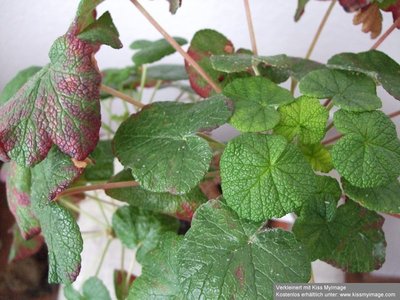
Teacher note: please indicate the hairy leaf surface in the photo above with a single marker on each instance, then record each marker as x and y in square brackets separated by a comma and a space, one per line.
[303, 120]
[348, 90]
[369, 153]
[167, 155]
[373, 63]
[223, 256]
[255, 100]
[264, 176]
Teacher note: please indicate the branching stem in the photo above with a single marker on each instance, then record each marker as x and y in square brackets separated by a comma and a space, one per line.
[177, 47]
[103, 255]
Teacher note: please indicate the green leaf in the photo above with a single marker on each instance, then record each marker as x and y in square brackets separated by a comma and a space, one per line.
[18, 198]
[159, 279]
[138, 228]
[373, 63]
[168, 156]
[304, 120]
[318, 156]
[353, 240]
[204, 44]
[167, 72]
[182, 206]
[264, 176]
[149, 51]
[295, 67]
[59, 228]
[103, 158]
[348, 90]
[21, 248]
[84, 14]
[102, 31]
[92, 289]
[225, 257]
[255, 100]
[369, 153]
[16, 83]
[121, 285]
[58, 105]
[382, 199]
[301, 4]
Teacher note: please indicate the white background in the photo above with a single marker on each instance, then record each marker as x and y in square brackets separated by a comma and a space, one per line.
[28, 28]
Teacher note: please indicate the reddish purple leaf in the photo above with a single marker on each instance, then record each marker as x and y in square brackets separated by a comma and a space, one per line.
[395, 10]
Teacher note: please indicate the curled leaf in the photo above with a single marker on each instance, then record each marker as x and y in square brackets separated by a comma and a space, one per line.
[371, 19]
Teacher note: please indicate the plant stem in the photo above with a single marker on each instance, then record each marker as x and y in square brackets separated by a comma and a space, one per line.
[156, 87]
[320, 28]
[102, 201]
[103, 255]
[177, 47]
[75, 208]
[94, 187]
[327, 102]
[102, 210]
[394, 114]
[329, 127]
[251, 27]
[142, 82]
[120, 95]
[386, 34]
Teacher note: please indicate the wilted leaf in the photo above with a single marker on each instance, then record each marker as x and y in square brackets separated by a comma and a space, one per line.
[264, 176]
[369, 153]
[371, 19]
[182, 206]
[168, 156]
[255, 100]
[223, 256]
[305, 119]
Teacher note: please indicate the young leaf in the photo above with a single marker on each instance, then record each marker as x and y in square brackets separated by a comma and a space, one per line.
[204, 44]
[22, 248]
[182, 206]
[59, 228]
[382, 199]
[167, 155]
[374, 64]
[138, 228]
[149, 51]
[103, 158]
[264, 176]
[348, 90]
[304, 120]
[121, 285]
[18, 196]
[58, 105]
[223, 256]
[318, 156]
[369, 153]
[16, 83]
[85, 13]
[92, 289]
[353, 240]
[255, 100]
[102, 31]
[159, 279]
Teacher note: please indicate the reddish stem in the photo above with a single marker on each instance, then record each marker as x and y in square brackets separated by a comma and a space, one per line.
[386, 34]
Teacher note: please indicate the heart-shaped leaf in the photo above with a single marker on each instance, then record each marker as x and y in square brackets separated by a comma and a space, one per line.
[264, 176]
[223, 256]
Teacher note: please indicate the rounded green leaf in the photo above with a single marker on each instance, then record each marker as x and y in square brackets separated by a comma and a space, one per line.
[255, 100]
[264, 176]
[353, 240]
[304, 119]
[369, 153]
[382, 198]
[348, 90]
[225, 257]
[318, 156]
[161, 147]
